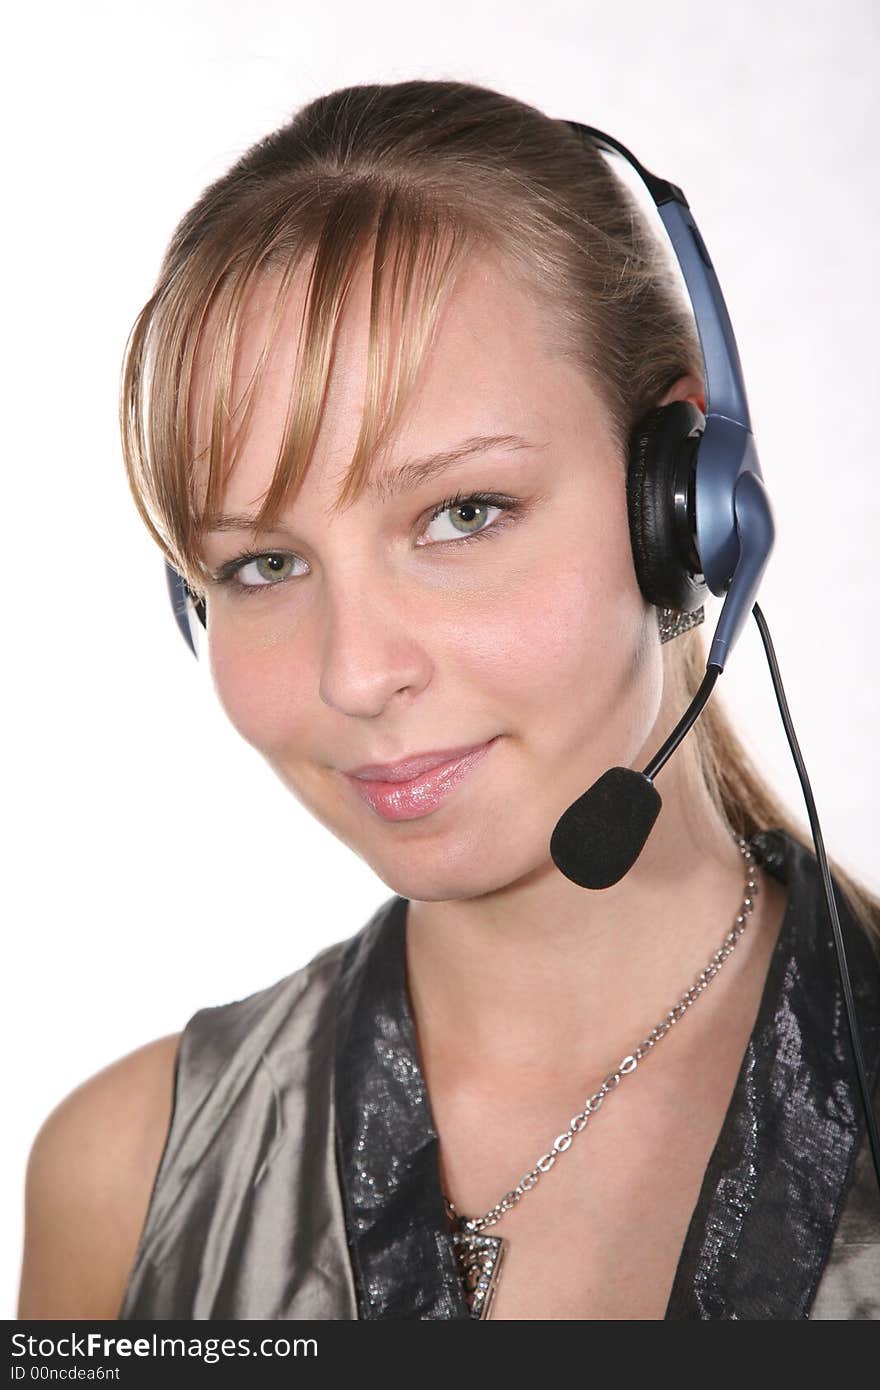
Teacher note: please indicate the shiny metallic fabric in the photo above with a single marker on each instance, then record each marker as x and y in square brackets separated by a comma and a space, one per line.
[245, 1218]
[850, 1284]
[300, 1176]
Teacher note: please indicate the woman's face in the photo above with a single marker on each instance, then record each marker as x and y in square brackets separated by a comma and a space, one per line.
[381, 632]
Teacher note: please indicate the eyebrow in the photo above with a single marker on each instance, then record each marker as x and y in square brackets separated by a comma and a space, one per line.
[408, 476]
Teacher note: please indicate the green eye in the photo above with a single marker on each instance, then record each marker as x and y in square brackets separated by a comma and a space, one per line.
[465, 516]
[271, 567]
[256, 571]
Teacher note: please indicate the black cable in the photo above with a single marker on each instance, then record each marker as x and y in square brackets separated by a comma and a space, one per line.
[855, 1037]
[686, 722]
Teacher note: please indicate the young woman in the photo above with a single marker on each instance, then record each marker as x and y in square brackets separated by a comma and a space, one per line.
[378, 414]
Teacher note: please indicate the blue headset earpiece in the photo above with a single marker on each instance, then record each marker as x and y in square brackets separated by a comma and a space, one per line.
[189, 612]
[724, 495]
[699, 514]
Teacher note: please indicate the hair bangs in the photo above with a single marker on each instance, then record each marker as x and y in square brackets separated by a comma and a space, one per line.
[192, 337]
[411, 254]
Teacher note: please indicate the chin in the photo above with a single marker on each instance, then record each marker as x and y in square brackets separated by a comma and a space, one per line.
[468, 867]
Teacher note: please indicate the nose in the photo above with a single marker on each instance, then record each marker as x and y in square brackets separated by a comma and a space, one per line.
[373, 647]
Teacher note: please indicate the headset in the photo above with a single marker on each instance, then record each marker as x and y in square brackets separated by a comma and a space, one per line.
[700, 522]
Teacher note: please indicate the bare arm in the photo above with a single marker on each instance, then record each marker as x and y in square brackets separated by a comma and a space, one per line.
[89, 1178]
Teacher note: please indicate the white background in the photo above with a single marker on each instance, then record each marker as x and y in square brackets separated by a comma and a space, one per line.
[153, 863]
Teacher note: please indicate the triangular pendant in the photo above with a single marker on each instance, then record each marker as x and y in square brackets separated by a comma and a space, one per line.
[479, 1260]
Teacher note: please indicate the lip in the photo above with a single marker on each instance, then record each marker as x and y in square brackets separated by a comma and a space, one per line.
[421, 792]
[405, 769]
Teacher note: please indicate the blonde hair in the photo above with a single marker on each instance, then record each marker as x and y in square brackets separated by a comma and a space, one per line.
[409, 177]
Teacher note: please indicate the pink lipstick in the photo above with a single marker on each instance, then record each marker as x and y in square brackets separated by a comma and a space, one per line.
[420, 793]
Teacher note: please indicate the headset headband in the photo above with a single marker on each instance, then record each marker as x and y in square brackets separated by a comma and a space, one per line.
[725, 388]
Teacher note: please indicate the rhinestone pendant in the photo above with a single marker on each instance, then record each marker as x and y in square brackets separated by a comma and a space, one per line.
[479, 1260]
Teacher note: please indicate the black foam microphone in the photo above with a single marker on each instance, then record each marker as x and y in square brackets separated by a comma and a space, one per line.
[599, 838]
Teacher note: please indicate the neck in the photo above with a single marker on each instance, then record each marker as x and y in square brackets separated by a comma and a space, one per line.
[544, 969]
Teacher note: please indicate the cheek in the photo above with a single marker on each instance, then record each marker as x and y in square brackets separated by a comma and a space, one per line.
[568, 628]
[265, 697]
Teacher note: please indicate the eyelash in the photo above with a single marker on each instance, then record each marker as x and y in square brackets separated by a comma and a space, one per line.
[227, 573]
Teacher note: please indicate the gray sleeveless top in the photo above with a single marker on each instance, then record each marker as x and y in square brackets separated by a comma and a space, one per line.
[300, 1176]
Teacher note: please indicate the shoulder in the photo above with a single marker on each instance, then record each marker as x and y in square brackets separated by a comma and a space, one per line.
[89, 1177]
[99, 1157]
[300, 1005]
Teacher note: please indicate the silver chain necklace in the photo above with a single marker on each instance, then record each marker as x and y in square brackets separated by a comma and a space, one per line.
[479, 1256]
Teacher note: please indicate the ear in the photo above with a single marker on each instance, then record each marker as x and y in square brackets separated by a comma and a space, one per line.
[687, 388]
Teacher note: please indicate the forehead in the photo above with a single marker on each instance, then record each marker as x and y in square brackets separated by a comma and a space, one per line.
[488, 369]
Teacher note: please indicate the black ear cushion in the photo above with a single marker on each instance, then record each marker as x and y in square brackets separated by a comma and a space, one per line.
[662, 447]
